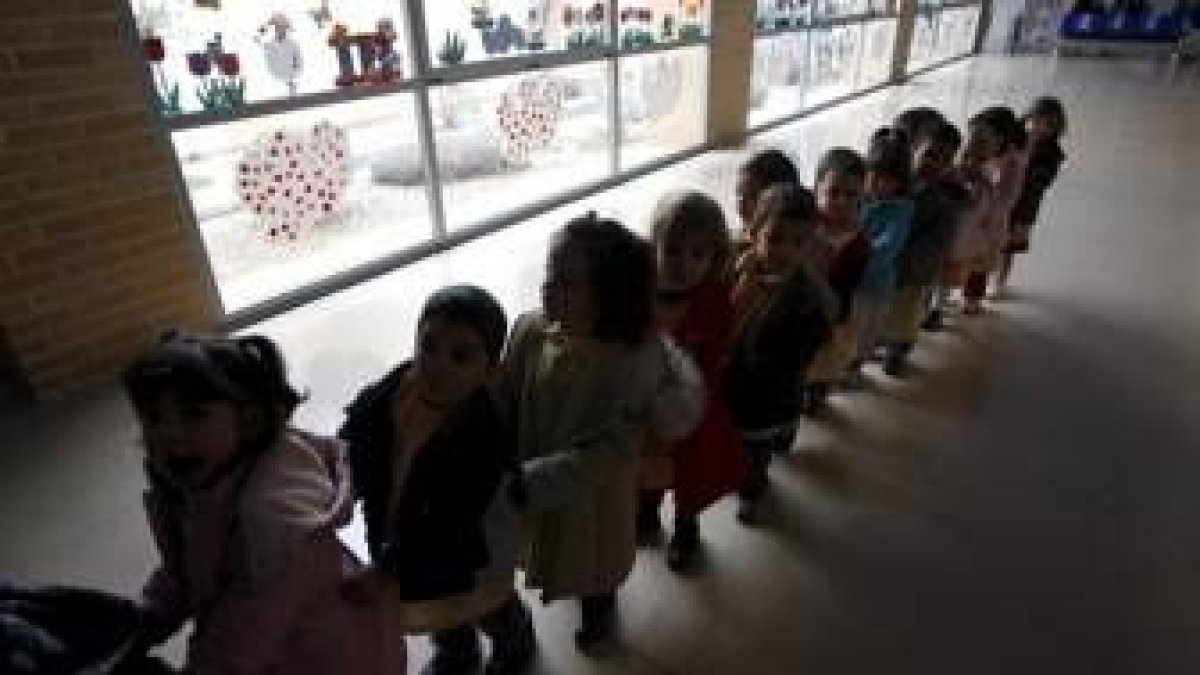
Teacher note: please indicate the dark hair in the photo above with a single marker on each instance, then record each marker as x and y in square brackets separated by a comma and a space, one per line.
[890, 153]
[1005, 123]
[942, 134]
[771, 167]
[622, 274]
[915, 120]
[694, 213]
[1051, 108]
[471, 306]
[244, 371]
[842, 161]
[788, 203]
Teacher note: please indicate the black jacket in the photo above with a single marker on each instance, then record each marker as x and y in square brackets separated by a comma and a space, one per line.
[438, 541]
[773, 348]
[1045, 159]
[935, 222]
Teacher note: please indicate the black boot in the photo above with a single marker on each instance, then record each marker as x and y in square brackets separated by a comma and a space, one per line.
[649, 527]
[514, 644]
[455, 652]
[684, 544]
[599, 624]
[896, 363]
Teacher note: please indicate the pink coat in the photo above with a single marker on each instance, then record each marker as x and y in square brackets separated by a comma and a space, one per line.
[1007, 175]
[976, 235]
[256, 563]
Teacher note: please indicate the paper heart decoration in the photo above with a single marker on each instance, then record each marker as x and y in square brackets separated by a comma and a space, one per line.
[292, 178]
[528, 115]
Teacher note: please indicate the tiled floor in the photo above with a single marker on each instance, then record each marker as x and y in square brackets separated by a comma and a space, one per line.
[1026, 503]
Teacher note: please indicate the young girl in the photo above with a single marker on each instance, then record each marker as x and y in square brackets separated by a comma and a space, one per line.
[245, 511]
[1046, 122]
[840, 177]
[886, 219]
[1004, 169]
[784, 309]
[430, 451]
[755, 175]
[973, 243]
[693, 248]
[589, 379]
[935, 219]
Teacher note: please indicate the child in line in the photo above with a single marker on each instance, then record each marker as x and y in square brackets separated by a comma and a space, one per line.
[1006, 172]
[913, 120]
[973, 243]
[589, 378]
[840, 176]
[784, 310]
[934, 228]
[430, 452]
[1046, 122]
[755, 175]
[694, 268]
[245, 512]
[886, 219]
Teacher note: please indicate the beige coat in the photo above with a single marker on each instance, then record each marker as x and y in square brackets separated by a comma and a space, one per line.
[583, 410]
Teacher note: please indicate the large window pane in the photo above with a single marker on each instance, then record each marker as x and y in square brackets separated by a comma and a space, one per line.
[924, 42]
[877, 53]
[462, 31]
[834, 62]
[506, 142]
[956, 32]
[663, 103]
[290, 199]
[210, 55]
[647, 22]
[779, 82]
[838, 8]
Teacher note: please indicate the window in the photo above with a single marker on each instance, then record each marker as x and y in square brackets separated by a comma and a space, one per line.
[663, 96]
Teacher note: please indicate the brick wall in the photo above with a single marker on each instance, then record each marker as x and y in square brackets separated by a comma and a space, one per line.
[95, 255]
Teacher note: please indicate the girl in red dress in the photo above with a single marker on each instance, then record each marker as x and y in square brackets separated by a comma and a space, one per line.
[693, 247]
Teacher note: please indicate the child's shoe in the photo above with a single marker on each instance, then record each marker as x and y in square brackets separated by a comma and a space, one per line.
[518, 649]
[934, 322]
[748, 510]
[685, 542]
[456, 652]
[599, 625]
[649, 527]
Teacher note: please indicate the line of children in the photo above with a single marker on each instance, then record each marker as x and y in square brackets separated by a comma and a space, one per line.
[674, 364]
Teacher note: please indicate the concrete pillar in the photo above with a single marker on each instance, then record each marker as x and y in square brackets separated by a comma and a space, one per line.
[732, 57]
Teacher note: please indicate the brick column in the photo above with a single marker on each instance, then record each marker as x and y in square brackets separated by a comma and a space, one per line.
[732, 58]
[96, 256]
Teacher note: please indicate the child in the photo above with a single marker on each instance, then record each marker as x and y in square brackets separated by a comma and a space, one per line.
[693, 248]
[973, 242]
[429, 450]
[934, 219]
[589, 378]
[245, 512]
[886, 220]
[1005, 171]
[784, 310]
[767, 168]
[840, 177]
[914, 120]
[1046, 122]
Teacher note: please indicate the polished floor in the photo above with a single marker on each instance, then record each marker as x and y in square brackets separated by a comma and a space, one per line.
[1027, 502]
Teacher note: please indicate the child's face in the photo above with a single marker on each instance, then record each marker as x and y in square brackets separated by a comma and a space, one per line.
[838, 196]
[191, 440]
[783, 246]
[749, 188]
[983, 145]
[932, 160]
[451, 361]
[879, 185]
[567, 293]
[685, 261]
[1040, 127]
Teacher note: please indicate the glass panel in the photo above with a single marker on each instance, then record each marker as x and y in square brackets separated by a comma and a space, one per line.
[647, 22]
[664, 100]
[213, 55]
[290, 199]
[956, 33]
[834, 62]
[877, 55]
[780, 14]
[461, 31]
[924, 41]
[779, 82]
[506, 142]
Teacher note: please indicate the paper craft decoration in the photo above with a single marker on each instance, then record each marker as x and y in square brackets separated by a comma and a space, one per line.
[292, 178]
[528, 115]
[282, 53]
